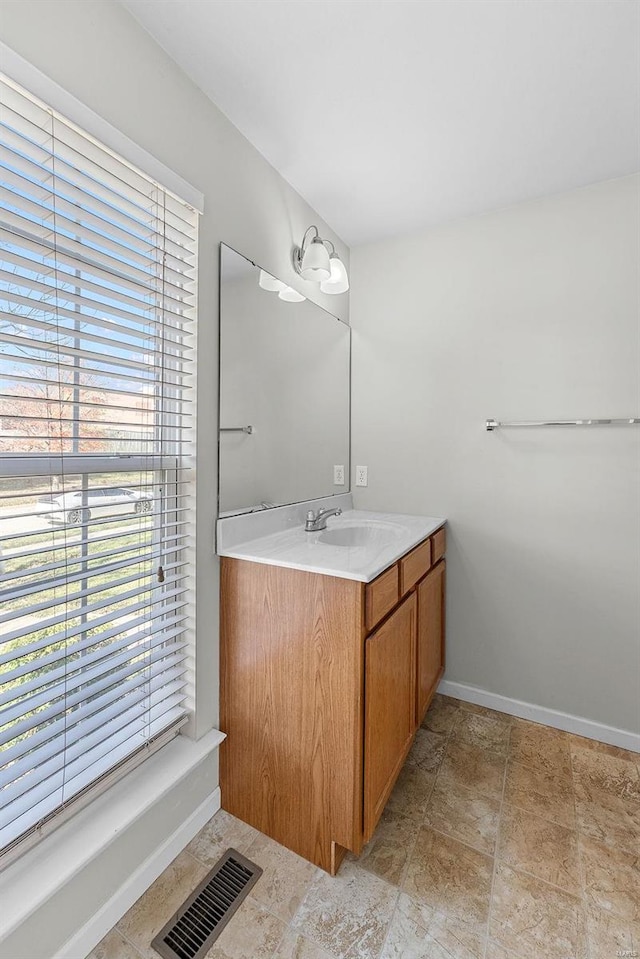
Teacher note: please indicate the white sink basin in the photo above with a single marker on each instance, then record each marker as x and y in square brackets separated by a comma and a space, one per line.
[349, 536]
[357, 534]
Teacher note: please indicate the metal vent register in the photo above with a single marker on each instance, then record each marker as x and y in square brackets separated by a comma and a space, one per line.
[201, 918]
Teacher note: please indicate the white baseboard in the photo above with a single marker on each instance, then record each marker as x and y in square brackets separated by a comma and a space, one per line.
[541, 714]
[105, 919]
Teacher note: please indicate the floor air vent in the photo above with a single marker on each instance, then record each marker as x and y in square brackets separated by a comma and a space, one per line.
[201, 918]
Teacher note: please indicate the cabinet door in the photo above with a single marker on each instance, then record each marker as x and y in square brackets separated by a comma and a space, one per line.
[390, 683]
[431, 598]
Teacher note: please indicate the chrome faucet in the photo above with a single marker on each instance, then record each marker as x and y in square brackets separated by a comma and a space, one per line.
[317, 521]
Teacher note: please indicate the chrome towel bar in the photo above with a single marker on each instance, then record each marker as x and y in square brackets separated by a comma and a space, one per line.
[236, 429]
[495, 424]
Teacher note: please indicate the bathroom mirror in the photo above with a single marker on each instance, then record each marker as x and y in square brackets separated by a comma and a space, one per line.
[284, 393]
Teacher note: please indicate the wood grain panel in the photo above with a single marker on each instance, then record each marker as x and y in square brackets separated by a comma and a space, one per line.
[439, 545]
[292, 706]
[431, 637]
[389, 726]
[381, 596]
[414, 566]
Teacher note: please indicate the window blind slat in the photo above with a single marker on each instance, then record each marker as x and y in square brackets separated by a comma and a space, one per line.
[84, 257]
[66, 649]
[19, 233]
[69, 285]
[91, 664]
[171, 597]
[32, 752]
[39, 709]
[77, 751]
[47, 212]
[97, 310]
[17, 175]
[60, 789]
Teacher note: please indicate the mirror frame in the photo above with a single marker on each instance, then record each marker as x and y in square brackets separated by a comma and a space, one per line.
[259, 509]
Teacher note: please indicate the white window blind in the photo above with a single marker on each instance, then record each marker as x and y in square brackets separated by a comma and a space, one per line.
[97, 301]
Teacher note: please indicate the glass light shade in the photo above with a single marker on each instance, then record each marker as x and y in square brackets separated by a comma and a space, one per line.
[290, 295]
[338, 282]
[268, 282]
[315, 262]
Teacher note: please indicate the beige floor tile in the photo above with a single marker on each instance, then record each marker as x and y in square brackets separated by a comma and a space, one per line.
[609, 936]
[477, 769]
[609, 773]
[386, 853]
[580, 742]
[540, 746]
[411, 792]
[449, 876]
[285, 878]
[252, 933]
[441, 715]
[541, 793]
[295, 946]
[347, 915]
[496, 951]
[427, 750]
[534, 920]
[149, 914]
[606, 818]
[487, 732]
[114, 946]
[418, 931]
[540, 847]
[222, 832]
[611, 879]
[465, 815]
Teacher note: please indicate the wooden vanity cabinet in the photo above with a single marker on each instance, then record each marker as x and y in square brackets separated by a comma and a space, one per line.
[324, 682]
[390, 716]
[430, 637]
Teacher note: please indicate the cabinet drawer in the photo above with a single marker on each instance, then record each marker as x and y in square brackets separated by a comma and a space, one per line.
[414, 566]
[439, 545]
[381, 596]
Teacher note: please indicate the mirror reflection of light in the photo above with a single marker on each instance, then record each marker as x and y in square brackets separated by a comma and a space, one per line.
[290, 295]
[270, 283]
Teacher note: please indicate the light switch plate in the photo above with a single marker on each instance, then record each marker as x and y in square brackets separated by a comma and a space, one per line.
[362, 475]
[338, 475]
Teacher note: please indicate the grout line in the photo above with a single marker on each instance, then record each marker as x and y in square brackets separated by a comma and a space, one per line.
[581, 873]
[419, 824]
[126, 939]
[495, 854]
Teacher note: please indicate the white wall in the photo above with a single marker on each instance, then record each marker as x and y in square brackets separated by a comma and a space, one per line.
[100, 54]
[528, 313]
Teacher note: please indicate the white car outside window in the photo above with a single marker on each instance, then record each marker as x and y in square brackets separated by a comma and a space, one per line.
[73, 509]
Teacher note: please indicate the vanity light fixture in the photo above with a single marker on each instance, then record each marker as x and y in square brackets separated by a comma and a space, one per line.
[312, 261]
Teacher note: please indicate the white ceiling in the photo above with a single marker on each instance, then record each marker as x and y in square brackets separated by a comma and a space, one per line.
[390, 115]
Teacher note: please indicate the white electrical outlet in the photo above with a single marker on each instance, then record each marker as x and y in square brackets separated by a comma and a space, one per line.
[338, 475]
[362, 475]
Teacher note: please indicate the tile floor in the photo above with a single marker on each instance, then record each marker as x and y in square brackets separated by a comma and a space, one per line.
[502, 840]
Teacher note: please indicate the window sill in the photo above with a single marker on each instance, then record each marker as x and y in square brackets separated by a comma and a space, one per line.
[27, 883]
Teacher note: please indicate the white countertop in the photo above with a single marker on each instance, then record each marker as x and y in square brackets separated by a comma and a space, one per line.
[390, 536]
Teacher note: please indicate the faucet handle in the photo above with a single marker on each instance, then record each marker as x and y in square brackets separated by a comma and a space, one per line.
[311, 516]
